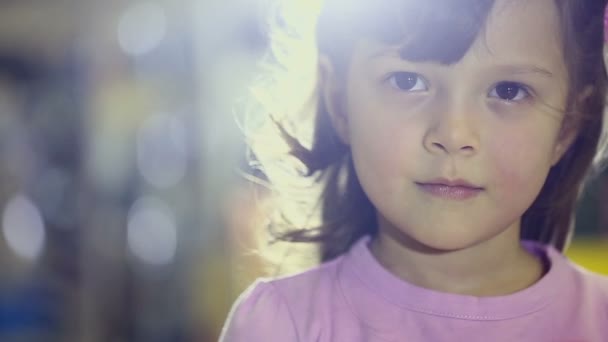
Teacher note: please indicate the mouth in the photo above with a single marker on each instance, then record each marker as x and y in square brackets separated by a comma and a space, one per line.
[450, 189]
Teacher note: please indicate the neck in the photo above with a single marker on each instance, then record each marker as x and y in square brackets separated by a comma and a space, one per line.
[498, 266]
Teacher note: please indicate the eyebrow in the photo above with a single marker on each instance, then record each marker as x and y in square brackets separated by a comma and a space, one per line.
[510, 69]
[525, 69]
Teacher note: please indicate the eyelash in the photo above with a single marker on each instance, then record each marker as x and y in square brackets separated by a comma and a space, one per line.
[416, 81]
[393, 81]
[527, 93]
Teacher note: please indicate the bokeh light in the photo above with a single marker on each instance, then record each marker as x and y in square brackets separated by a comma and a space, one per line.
[142, 27]
[23, 227]
[152, 231]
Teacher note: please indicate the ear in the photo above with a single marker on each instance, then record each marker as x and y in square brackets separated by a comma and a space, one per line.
[570, 128]
[331, 92]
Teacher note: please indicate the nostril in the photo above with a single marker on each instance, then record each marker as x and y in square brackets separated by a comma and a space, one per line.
[438, 145]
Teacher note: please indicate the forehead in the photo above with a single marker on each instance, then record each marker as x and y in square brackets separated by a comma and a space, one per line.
[515, 31]
[518, 29]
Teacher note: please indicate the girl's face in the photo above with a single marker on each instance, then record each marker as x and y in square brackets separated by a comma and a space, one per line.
[492, 119]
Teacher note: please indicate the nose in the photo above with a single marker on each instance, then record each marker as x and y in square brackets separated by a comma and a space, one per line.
[452, 132]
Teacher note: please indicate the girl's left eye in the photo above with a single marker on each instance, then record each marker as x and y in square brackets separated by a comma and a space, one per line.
[407, 81]
[510, 91]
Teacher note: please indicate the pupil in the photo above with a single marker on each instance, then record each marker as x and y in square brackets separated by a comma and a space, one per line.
[507, 91]
[406, 80]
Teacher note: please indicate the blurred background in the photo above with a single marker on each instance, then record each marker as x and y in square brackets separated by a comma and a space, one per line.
[122, 215]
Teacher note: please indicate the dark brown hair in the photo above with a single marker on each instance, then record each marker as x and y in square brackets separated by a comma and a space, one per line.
[442, 31]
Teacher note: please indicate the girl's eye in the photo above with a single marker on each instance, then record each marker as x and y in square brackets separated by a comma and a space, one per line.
[407, 81]
[510, 91]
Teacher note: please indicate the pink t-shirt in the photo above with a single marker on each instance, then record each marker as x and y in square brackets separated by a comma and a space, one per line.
[353, 298]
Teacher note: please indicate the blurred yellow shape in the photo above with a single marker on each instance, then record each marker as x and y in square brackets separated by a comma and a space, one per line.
[590, 253]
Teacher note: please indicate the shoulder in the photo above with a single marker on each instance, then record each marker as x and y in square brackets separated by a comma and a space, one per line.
[596, 284]
[585, 279]
[269, 309]
[589, 287]
[260, 314]
[593, 291]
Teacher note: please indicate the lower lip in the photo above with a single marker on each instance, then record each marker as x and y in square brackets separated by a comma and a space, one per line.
[450, 192]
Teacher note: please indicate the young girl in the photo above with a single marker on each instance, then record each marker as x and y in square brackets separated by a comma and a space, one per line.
[451, 141]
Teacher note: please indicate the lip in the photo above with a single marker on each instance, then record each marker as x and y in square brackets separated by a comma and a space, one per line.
[458, 189]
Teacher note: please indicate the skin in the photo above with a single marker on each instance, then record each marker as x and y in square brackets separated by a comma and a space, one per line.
[453, 124]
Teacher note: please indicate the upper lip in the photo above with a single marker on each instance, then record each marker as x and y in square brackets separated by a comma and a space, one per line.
[455, 182]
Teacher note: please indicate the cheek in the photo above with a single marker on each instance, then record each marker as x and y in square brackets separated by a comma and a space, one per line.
[374, 146]
[519, 165]
[372, 135]
[382, 142]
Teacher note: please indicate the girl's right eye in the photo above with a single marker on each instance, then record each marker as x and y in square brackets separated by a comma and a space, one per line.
[407, 81]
